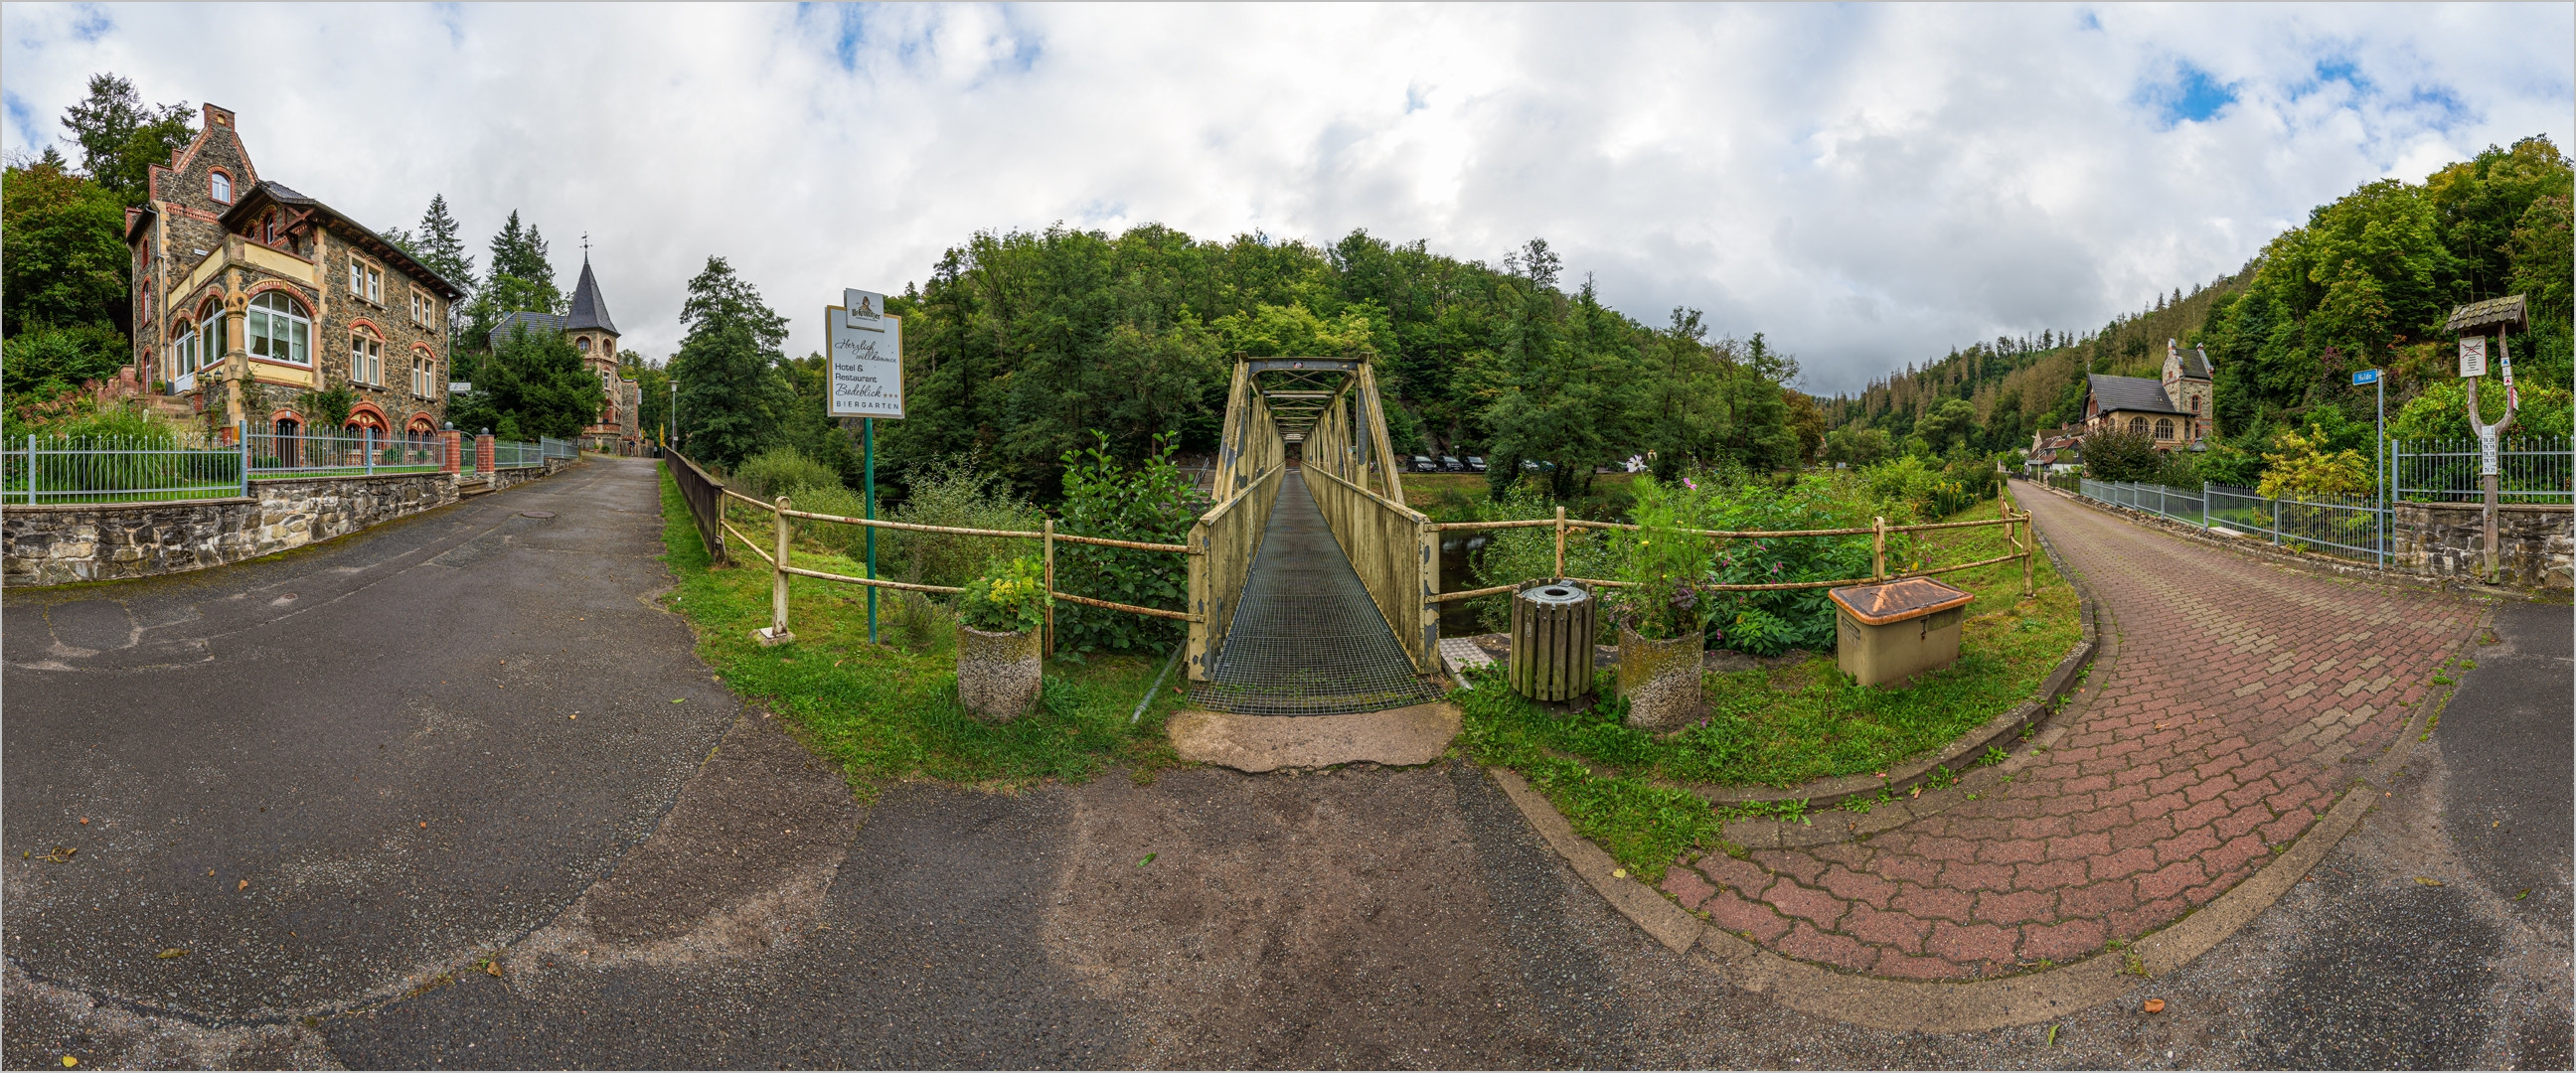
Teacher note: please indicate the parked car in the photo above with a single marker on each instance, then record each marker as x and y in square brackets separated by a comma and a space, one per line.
[1533, 465]
[1423, 464]
[1475, 464]
[1451, 463]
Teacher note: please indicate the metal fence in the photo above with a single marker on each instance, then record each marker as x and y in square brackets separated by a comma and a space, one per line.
[554, 448]
[349, 452]
[116, 469]
[2348, 528]
[517, 454]
[2529, 469]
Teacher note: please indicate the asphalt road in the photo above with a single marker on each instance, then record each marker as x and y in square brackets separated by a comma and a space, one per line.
[1357, 917]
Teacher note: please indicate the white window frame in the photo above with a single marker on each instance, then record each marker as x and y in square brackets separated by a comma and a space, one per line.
[366, 281]
[219, 186]
[366, 359]
[274, 331]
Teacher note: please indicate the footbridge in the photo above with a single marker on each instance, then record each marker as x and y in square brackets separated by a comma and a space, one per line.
[1311, 583]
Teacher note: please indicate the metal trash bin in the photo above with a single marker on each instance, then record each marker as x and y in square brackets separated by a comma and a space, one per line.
[1890, 632]
[1552, 632]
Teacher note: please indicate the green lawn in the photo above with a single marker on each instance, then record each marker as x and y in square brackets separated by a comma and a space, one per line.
[1621, 788]
[889, 711]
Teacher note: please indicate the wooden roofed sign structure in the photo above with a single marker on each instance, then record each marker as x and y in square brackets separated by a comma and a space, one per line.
[2475, 322]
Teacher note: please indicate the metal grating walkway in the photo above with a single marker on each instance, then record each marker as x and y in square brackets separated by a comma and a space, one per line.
[1306, 639]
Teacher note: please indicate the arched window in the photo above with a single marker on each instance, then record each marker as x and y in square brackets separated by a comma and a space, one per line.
[2195, 404]
[583, 343]
[221, 186]
[2138, 425]
[2164, 428]
[211, 346]
[279, 330]
[183, 349]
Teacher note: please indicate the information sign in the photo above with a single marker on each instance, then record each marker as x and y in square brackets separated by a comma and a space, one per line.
[2366, 376]
[2487, 452]
[2473, 356]
[867, 356]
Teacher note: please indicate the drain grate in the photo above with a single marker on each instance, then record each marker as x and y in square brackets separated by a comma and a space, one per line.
[1306, 639]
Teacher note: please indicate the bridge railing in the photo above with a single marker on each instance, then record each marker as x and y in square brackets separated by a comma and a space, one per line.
[1394, 548]
[1227, 539]
[1224, 542]
[695, 483]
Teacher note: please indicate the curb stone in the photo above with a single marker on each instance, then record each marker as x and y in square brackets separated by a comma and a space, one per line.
[2022, 999]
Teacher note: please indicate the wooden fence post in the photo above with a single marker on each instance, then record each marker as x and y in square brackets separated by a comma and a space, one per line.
[1560, 543]
[1878, 550]
[1048, 642]
[777, 633]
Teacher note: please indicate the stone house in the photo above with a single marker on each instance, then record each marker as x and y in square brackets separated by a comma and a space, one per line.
[247, 294]
[2177, 410]
[618, 428]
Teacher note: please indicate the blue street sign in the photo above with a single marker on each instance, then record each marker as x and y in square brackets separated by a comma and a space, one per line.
[2366, 376]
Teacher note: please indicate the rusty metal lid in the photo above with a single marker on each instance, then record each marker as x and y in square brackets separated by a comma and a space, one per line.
[1898, 601]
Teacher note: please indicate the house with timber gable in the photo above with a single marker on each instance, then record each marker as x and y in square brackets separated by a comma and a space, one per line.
[248, 293]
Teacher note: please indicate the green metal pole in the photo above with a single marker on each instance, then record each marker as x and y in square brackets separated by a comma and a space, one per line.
[868, 452]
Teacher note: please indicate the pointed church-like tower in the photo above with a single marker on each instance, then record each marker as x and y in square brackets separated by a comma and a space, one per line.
[592, 333]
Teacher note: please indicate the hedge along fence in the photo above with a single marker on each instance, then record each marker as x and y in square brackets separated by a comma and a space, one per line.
[781, 566]
[2023, 544]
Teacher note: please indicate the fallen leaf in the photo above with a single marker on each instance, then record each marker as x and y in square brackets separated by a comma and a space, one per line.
[575, 715]
[424, 824]
[61, 854]
[69, 1061]
[2526, 892]
[173, 952]
[2428, 881]
[1618, 873]
[84, 821]
[679, 700]
[2155, 1005]
[493, 967]
[245, 885]
[1148, 859]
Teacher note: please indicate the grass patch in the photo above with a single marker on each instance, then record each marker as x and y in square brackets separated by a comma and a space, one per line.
[889, 711]
[1781, 726]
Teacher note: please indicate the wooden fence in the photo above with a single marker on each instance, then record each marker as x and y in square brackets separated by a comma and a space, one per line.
[782, 561]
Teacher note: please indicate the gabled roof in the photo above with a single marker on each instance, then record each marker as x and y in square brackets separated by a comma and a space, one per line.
[536, 322]
[2507, 312]
[589, 310]
[271, 193]
[2195, 364]
[2131, 393]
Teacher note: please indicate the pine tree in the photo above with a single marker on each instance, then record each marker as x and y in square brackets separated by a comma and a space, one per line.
[121, 137]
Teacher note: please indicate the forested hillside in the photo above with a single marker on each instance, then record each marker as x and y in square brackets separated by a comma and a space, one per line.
[1024, 344]
[2366, 282]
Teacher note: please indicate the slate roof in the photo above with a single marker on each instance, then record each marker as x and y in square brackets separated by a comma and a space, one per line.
[267, 193]
[2135, 394]
[589, 310]
[2195, 364]
[535, 321]
[2494, 311]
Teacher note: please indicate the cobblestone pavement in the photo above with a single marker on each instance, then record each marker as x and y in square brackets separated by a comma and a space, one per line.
[2232, 701]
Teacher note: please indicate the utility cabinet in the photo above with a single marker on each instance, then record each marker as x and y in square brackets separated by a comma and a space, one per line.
[1891, 632]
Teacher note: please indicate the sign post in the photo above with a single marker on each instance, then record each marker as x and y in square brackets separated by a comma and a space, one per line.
[2379, 459]
[867, 383]
[2473, 364]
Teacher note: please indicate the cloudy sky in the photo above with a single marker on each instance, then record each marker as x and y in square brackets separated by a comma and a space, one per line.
[1868, 185]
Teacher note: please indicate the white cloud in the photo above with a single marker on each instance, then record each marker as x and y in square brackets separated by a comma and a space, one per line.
[1868, 185]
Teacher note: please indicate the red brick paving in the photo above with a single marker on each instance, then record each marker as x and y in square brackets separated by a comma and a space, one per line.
[2230, 698]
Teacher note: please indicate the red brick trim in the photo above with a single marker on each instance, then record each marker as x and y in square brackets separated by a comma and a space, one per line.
[288, 414]
[232, 186]
[362, 322]
[292, 291]
[368, 408]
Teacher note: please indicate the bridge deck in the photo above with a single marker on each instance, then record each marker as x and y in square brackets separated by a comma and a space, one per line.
[1306, 639]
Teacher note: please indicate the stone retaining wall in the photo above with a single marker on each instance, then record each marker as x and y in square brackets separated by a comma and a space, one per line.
[2535, 543]
[54, 544]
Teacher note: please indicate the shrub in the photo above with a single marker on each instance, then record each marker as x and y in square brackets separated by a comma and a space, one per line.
[2302, 465]
[1152, 502]
[1009, 598]
[955, 491]
[44, 361]
[848, 540]
[917, 622]
[1770, 622]
[2442, 411]
[1512, 556]
[2119, 455]
[780, 471]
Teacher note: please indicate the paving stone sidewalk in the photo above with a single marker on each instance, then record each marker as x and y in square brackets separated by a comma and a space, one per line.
[2232, 701]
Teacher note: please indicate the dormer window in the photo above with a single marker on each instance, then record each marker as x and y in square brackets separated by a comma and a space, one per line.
[221, 186]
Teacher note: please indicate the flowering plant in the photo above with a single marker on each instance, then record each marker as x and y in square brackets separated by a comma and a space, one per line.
[1662, 564]
[1009, 598]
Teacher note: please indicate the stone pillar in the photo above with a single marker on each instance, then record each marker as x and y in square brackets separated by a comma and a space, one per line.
[236, 343]
[485, 446]
[451, 451]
